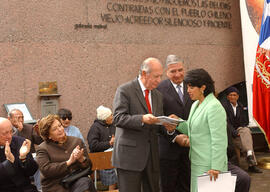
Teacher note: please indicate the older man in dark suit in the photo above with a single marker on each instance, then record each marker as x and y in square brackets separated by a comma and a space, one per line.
[174, 160]
[16, 163]
[26, 131]
[136, 105]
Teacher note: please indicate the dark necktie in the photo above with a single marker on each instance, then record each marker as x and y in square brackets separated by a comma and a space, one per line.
[179, 91]
[147, 100]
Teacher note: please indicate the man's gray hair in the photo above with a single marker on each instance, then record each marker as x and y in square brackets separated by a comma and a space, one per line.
[145, 65]
[173, 59]
[10, 113]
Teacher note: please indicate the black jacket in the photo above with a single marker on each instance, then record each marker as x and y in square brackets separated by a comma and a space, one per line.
[99, 136]
[239, 120]
[14, 177]
[173, 105]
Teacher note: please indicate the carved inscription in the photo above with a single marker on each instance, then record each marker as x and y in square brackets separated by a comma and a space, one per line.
[176, 13]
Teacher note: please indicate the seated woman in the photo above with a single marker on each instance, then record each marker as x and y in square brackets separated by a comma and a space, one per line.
[100, 138]
[65, 116]
[59, 155]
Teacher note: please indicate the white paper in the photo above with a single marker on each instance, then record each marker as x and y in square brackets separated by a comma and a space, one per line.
[165, 119]
[224, 183]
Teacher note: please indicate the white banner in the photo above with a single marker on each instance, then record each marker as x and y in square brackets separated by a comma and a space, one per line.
[251, 11]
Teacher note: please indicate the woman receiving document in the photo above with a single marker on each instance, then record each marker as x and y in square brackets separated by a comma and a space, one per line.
[205, 127]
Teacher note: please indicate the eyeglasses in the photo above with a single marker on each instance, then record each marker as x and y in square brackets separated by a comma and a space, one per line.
[66, 117]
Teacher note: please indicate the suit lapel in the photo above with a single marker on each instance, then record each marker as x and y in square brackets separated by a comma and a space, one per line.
[154, 101]
[139, 94]
[186, 96]
[200, 108]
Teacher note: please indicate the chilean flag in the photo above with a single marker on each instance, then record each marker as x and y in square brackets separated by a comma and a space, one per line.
[261, 78]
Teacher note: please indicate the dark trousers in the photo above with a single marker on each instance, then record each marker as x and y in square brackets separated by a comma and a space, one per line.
[139, 181]
[243, 179]
[175, 175]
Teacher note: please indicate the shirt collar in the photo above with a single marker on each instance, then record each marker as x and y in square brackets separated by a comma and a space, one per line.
[141, 85]
[175, 85]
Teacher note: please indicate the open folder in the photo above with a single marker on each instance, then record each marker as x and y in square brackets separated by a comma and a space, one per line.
[224, 183]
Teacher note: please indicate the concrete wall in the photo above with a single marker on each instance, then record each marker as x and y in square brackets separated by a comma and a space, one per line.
[39, 42]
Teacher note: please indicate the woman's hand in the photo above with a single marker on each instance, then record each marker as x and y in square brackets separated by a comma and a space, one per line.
[73, 156]
[213, 174]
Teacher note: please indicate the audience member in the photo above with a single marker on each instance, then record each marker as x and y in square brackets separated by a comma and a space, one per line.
[16, 161]
[135, 153]
[26, 131]
[59, 155]
[100, 138]
[206, 128]
[238, 123]
[174, 159]
[65, 118]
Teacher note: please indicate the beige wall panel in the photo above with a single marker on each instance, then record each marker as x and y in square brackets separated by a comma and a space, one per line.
[39, 42]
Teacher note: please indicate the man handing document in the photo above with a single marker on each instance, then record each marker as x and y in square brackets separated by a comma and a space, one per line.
[136, 107]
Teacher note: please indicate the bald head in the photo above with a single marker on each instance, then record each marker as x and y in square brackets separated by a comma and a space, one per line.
[5, 131]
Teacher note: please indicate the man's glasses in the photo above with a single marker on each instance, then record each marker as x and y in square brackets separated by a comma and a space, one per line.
[66, 117]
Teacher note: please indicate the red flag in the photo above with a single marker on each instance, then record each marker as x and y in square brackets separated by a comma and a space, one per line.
[261, 77]
[261, 93]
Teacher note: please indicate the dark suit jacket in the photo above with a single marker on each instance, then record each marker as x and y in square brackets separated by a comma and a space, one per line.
[135, 141]
[235, 121]
[14, 177]
[173, 105]
[29, 133]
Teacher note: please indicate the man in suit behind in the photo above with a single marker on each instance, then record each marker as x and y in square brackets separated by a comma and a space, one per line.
[136, 105]
[236, 120]
[174, 160]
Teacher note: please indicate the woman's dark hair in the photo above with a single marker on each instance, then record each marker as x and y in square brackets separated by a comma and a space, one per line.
[45, 124]
[64, 113]
[198, 78]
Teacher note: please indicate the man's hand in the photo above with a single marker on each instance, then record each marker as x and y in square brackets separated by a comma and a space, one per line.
[182, 140]
[36, 128]
[170, 127]
[25, 149]
[149, 119]
[173, 116]
[9, 155]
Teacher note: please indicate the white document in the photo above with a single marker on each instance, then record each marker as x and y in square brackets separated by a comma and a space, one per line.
[165, 119]
[224, 183]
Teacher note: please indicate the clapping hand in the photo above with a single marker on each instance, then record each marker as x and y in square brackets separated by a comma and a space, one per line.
[77, 154]
[25, 149]
[36, 128]
[9, 155]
